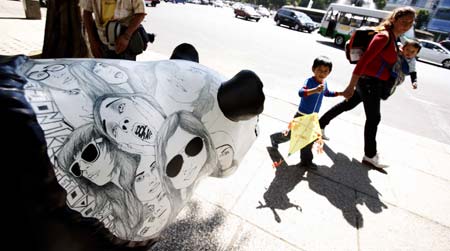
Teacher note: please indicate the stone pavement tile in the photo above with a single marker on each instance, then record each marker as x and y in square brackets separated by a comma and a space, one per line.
[305, 210]
[253, 238]
[225, 192]
[408, 150]
[20, 35]
[199, 226]
[279, 109]
[398, 229]
[409, 188]
[439, 163]
[423, 194]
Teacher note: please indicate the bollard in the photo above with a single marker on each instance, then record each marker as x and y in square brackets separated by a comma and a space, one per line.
[32, 9]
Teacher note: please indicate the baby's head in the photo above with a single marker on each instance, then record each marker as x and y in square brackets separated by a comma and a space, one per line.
[411, 48]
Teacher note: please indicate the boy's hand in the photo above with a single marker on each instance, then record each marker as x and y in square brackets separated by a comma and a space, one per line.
[414, 85]
[319, 88]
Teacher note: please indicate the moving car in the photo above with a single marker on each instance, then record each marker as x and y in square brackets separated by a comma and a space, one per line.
[152, 3]
[263, 11]
[237, 5]
[446, 44]
[247, 12]
[295, 19]
[434, 52]
[218, 3]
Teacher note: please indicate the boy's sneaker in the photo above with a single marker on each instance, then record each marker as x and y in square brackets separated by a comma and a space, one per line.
[308, 165]
[324, 137]
[272, 141]
[374, 161]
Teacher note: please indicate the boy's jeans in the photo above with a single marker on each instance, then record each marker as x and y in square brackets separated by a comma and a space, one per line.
[306, 154]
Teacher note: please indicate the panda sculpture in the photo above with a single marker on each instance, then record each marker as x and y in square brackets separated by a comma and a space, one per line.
[103, 154]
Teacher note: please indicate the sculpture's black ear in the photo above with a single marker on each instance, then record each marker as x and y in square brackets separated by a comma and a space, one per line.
[185, 51]
[241, 97]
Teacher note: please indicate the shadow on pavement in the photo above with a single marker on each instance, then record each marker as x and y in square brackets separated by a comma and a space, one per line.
[15, 18]
[330, 43]
[286, 178]
[352, 175]
[191, 230]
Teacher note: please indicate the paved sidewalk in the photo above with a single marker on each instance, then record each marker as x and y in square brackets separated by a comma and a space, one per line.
[341, 206]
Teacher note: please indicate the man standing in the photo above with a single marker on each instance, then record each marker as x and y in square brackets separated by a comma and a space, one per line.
[129, 13]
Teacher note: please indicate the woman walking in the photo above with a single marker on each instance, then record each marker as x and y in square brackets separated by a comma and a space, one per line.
[369, 76]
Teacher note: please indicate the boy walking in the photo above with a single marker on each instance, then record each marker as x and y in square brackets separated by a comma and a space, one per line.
[311, 95]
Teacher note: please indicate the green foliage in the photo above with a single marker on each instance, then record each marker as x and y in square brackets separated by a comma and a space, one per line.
[380, 4]
[422, 18]
[321, 4]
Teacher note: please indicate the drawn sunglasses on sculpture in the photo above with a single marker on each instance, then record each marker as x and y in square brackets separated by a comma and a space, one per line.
[136, 153]
[88, 155]
[44, 73]
[193, 148]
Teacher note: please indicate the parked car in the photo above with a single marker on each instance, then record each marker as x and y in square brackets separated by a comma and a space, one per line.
[295, 19]
[218, 3]
[237, 5]
[263, 11]
[247, 12]
[434, 52]
[445, 43]
[152, 3]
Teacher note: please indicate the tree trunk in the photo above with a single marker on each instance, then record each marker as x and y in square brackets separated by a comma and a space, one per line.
[63, 31]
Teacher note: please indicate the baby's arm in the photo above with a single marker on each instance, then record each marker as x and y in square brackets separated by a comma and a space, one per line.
[413, 73]
[413, 79]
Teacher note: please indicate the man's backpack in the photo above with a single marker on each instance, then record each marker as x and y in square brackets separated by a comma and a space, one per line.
[358, 43]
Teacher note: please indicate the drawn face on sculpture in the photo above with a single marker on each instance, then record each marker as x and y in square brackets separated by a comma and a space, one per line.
[150, 192]
[132, 122]
[159, 216]
[111, 74]
[186, 156]
[54, 76]
[181, 82]
[225, 154]
[147, 183]
[93, 163]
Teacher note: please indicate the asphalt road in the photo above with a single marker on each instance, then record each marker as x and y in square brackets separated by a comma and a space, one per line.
[282, 58]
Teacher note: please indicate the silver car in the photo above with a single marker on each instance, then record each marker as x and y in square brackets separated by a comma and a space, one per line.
[434, 52]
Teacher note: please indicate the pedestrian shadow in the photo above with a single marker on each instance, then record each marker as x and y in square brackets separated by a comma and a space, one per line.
[14, 18]
[331, 44]
[286, 178]
[352, 175]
